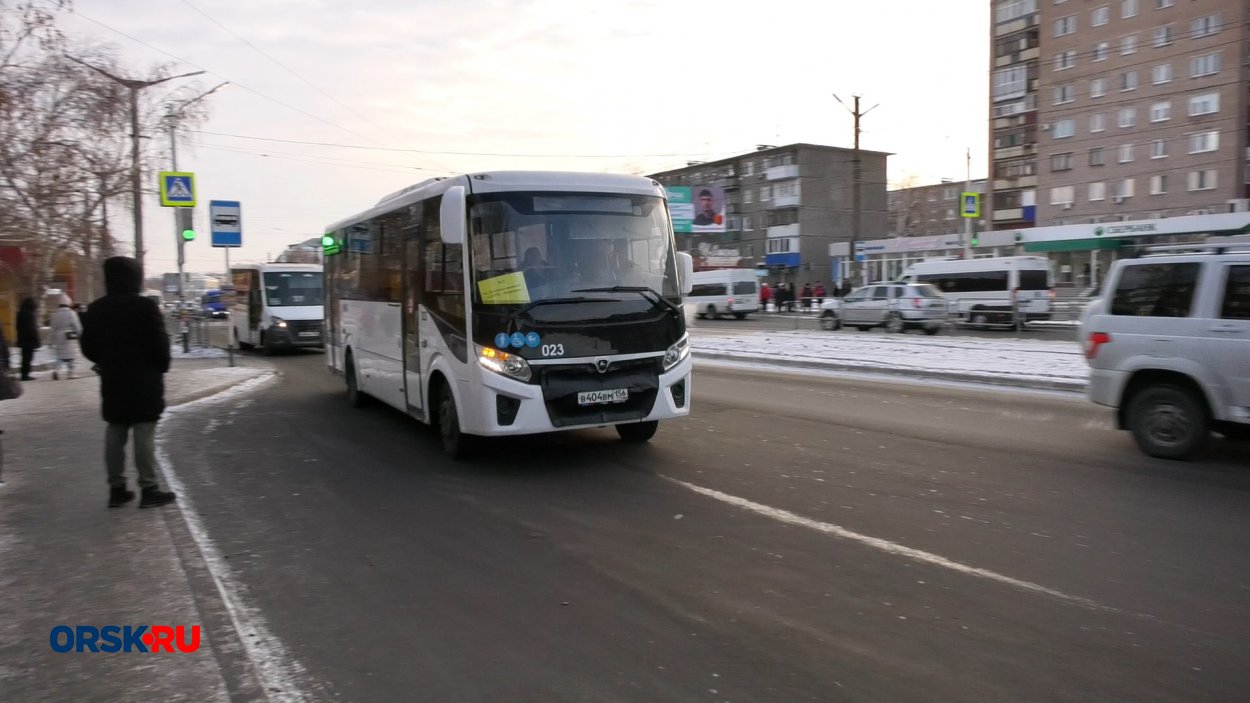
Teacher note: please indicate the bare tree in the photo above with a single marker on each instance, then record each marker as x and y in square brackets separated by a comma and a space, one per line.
[906, 207]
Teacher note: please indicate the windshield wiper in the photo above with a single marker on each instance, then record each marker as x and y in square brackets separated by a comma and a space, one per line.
[557, 301]
[646, 291]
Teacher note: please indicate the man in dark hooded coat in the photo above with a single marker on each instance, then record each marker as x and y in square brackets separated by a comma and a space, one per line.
[124, 334]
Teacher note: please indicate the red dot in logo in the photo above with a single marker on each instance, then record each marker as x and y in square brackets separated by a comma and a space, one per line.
[149, 639]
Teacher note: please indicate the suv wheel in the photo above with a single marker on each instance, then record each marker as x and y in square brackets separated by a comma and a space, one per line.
[894, 324]
[1168, 421]
[830, 321]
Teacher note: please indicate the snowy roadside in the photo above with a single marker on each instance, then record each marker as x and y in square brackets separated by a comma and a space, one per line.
[1025, 362]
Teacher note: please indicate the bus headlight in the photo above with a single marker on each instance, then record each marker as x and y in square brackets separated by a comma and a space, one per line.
[277, 321]
[674, 354]
[503, 363]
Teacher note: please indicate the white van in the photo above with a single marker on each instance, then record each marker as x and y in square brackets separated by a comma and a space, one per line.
[277, 306]
[981, 290]
[725, 292]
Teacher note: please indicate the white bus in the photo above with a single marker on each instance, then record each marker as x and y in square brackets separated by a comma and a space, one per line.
[510, 303]
[725, 292]
[277, 306]
[982, 290]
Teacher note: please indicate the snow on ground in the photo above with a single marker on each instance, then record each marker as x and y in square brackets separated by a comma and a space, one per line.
[1022, 360]
[197, 352]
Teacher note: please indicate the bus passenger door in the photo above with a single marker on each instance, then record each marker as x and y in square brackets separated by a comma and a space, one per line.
[411, 325]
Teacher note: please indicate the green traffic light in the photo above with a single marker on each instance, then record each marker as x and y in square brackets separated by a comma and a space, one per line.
[188, 235]
[976, 242]
[327, 241]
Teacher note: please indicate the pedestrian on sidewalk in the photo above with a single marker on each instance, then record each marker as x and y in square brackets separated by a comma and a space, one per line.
[66, 328]
[765, 293]
[125, 336]
[27, 335]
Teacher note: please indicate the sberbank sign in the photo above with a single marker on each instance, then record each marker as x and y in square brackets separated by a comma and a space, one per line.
[1146, 228]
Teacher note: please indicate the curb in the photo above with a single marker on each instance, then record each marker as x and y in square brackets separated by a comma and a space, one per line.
[1006, 381]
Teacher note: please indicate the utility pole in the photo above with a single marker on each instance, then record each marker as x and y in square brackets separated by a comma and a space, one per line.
[136, 175]
[857, 177]
[172, 114]
[968, 221]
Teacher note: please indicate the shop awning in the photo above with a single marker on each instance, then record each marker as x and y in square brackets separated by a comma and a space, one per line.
[1074, 245]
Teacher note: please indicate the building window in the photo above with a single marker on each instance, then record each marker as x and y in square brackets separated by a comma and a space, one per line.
[1158, 185]
[1097, 157]
[1204, 26]
[1098, 87]
[1097, 191]
[1126, 189]
[1128, 8]
[1100, 16]
[1128, 117]
[1065, 59]
[1062, 195]
[747, 224]
[1061, 162]
[1161, 74]
[1164, 4]
[1008, 10]
[748, 169]
[1064, 128]
[1205, 104]
[1128, 44]
[1065, 25]
[1161, 112]
[1203, 142]
[948, 194]
[1064, 94]
[1159, 149]
[766, 193]
[1097, 122]
[1164, 35]
[1101, 49]
[1202, 180]
[746, 196]
[1128, 80]
[1205, 65]
[1126, 153]
[1010, 82]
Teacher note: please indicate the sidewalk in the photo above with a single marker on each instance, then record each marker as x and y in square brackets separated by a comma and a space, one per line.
[67, 559]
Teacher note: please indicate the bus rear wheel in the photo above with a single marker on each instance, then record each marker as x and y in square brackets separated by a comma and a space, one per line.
[638, 432]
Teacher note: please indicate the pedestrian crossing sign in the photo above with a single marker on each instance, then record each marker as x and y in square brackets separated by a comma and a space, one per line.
[971, 204]
[177, 189]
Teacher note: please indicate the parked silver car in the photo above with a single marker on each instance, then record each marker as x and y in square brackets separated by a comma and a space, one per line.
[1168, 344]
[895, 306]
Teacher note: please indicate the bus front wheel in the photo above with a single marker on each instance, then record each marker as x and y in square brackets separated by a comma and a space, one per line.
[355, 398]
[449, 424]
[638, 431]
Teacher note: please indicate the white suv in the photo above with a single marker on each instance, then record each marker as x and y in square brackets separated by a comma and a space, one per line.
[895, 306]
[1168, 346]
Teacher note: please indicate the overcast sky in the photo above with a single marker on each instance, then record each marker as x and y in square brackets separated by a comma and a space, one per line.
[472, 85]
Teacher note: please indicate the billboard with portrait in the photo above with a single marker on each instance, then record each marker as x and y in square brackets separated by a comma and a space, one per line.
[697, 209]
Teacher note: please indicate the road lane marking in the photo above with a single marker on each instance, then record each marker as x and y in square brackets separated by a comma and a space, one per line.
[889, 547]
[277, 670]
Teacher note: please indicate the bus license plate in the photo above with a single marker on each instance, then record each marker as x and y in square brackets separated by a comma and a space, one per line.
[309, 334]
[615, 395]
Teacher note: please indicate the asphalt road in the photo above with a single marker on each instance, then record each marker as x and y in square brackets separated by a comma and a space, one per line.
[795, 539]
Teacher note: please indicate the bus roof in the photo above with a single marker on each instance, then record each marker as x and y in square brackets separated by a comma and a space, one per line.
[505, 181]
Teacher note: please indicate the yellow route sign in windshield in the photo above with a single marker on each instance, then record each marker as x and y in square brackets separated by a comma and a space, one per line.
[508, 288]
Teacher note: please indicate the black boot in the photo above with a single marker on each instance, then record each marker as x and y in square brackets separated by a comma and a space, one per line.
[154, 497]
[119, 495]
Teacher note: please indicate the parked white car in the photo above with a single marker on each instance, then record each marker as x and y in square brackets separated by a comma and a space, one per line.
[895, 306]
[1168, 343]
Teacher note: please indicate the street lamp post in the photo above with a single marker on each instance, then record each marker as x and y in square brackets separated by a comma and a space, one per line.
[134, 86]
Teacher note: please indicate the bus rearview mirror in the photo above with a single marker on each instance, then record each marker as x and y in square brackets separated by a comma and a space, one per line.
[451, 216]
[685, 262]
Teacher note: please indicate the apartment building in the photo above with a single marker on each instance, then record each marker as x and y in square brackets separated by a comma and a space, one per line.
[781, 207]
[1117, 110]
[925, 211]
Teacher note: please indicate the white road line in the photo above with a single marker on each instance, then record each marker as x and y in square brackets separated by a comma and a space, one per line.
[888, 546]
[277, 670]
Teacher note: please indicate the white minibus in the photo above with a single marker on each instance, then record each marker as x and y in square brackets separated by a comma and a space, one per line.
[725, 292]
[981, 290]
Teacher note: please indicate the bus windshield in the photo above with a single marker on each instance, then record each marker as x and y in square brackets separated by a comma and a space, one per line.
[290, 288]
[530, 247]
